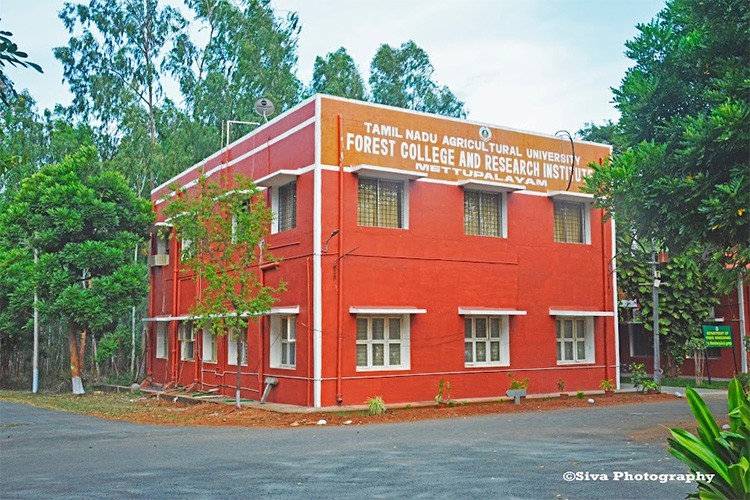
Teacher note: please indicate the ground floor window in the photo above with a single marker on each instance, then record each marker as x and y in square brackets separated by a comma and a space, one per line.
[575, 340]
[162, 340]
[186, 335]
[283, 341]
[382, 342]
[209, 346]
[486, 340]
[232, 346]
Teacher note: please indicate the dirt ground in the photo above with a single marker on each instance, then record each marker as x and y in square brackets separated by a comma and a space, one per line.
[152, 410]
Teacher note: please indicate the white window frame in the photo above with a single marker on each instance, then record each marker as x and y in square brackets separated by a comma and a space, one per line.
[275, 197]
[470, 323]
[186, 336]
[587, 337]
[283, 344]
[502, 206]
[586, 210]
[369, 342]
[404, 199]
[162, 339]
[232, 347]
[208, 346]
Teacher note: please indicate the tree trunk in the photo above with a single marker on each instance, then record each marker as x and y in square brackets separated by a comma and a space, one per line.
[75, 369]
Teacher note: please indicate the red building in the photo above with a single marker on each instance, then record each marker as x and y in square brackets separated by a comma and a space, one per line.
[415, 249]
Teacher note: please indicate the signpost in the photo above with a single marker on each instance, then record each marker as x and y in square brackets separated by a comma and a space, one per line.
[718, 336]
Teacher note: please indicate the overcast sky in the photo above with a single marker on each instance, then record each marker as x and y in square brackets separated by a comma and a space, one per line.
[539, 65]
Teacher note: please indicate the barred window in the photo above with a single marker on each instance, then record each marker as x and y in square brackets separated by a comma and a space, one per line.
[287, 207]
[380, 203]
[381, 343]
[570, 220]
[483, 213]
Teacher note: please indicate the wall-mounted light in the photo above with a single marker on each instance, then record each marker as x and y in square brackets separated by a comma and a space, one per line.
[333, 233]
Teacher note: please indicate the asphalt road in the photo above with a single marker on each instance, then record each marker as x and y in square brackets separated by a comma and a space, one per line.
[48, 454]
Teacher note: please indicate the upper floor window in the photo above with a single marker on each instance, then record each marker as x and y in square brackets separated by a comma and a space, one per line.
[483, 213]
[571, 222]
[381, 203]
[284, 207]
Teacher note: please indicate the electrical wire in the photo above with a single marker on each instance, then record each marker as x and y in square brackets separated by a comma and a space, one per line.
[563, 133]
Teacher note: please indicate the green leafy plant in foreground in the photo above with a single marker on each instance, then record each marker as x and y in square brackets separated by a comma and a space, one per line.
[721, 453]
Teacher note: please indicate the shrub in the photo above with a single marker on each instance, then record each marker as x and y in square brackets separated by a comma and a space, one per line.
[375, 405]
[518, 384]
[607, 385]
[580, 395]
[637, 374]
[722, 453]
[561, 384]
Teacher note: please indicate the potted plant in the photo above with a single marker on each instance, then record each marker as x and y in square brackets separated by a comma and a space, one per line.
[650, 387]
[517, 389]
[561, 387]
[608, 387]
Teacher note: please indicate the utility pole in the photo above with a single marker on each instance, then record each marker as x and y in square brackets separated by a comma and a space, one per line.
[35, 363]
[656, 282]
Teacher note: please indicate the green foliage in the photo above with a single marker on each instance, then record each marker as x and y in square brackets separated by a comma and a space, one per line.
[607, 385]
[518, 384]
[227, 227]
[637, 374]
[111, 343]
[580, 394]
[650, 385]
[685, 120]
[11, 55]
[723, 454]
[403, 77]
[560, 384]
[85, 223]
[444, 392]
[338, 75]
[686, 296]
[375, 405]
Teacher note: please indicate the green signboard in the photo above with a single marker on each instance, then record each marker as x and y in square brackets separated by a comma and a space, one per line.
[717, 336]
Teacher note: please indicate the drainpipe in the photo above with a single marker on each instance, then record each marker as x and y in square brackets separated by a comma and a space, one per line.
[604, 301]
[309, 332]
[340, 269]
[175, 305]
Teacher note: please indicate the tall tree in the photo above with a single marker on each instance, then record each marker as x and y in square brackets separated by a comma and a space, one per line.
[113, 63]
[250, 53]
[338, 75]
[685, 105]
[84, 223]
[226, 228]
[403, 77]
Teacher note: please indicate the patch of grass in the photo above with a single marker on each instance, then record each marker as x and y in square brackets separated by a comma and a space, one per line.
[113, 405]
[688, 382]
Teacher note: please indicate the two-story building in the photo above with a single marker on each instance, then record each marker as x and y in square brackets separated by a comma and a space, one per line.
[415, 248]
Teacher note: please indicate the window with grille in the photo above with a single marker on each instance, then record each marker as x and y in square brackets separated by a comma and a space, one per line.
[286, 207]
[483, 214]
[486, 341]
[380, 203]
[162, 340]
[186, 336]
[570, 222]
[209, 346]
[382, 343]
[575, 340]
[232, 347]
[283, 341]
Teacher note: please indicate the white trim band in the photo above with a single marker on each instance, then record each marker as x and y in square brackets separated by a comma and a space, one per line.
[386, 310]
[489, 311]
[578, 312]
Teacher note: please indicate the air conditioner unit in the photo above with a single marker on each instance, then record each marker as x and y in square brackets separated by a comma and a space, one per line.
[159, 260]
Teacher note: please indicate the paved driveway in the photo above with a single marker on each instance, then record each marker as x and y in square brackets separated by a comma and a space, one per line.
[47, 454]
